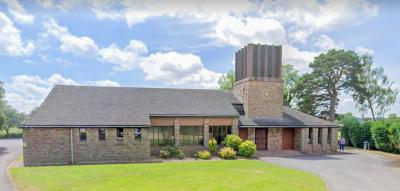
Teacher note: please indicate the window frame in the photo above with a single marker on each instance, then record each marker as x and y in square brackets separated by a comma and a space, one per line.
[191, 135]
[120, 135]
[137, 137]
[101, 136]
[82, 134]
[154, 135]
[221, 131]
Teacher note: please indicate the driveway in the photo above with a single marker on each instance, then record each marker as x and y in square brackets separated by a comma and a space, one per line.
[356, 170]
[10, 149]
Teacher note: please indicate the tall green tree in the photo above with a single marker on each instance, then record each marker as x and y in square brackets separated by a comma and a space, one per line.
[336, 71]
[14, 118]
[373, 92]
[310, 96]
[290, 77]
[227, 81]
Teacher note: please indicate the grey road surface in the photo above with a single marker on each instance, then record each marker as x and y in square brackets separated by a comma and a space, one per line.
[353, 171]
[10, 149]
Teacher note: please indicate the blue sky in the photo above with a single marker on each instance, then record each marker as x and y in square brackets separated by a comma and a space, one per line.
[187, 44]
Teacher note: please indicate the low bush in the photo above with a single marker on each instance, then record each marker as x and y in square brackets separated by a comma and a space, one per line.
[232, 141]
[247, 149]
[227, 153]
[205, 155]
[212, 145]
[180, 154]
[171, 150]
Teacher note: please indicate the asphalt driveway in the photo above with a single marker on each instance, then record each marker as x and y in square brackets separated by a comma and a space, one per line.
[356, 171]
[10, 149]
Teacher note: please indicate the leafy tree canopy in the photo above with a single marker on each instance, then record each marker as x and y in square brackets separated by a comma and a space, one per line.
[227, 81]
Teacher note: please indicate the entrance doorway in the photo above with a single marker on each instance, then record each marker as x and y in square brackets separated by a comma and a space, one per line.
[288, 139]
[261, 139]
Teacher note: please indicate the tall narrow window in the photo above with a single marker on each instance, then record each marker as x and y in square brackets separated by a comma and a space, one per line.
[120, 133]
[82, 134]
[329, 138]
[319, 135]
[310, 135]
[102, 134]
[138, 135]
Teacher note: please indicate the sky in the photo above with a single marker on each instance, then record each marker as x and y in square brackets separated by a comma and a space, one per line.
[179, 44]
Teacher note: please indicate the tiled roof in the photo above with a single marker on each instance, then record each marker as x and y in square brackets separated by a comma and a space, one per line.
[122, 106]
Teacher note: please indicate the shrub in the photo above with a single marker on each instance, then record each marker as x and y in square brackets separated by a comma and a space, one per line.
[232, 141]
[380, 135]
[247, 149]
[347, 122]
[205, 155]
[180, 154]
[360, 133]
[165, 154]
[227, 153]
[212, 145]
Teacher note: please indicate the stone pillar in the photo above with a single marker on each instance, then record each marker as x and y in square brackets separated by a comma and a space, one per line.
[334, 145]
[325, 146]
[235, 126]
[206, 133]
[275, 139]
[316, 147]
[251, 134]
[176, 131]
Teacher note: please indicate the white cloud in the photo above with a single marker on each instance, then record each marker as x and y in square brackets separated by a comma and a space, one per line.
[107, 83]
[238, 32]
[27, 91]
[123, 59]
[300, 36]
[325, 42]
[179, 69]
[18, 12]
[362, 50]
[11, 42]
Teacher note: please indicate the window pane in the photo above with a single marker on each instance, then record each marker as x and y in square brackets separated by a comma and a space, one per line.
[220, 132]
[102, 134]
[120, 132]
[82, 134]
[138, 135]
[191, 135]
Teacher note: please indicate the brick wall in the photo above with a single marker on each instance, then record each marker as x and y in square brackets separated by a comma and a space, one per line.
[52, 146]
[260, 98]
[302, 142]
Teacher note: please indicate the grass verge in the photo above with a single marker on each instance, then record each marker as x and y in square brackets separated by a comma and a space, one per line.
[195, 175]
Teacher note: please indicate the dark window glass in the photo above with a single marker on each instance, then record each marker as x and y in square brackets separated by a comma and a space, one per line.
[239, 108]
[82, 134]
[319, 135]
[191, 135]
[159, 136]
[138, 134]
[220, 132]
[120, 132]
[329, 138]
[310, 135]
[102, 134]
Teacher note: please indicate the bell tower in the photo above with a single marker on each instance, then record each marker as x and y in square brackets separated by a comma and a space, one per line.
[259, 84]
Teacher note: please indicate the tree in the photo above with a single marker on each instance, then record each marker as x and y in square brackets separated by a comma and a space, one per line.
[310, 96]
[348, 124]
[227, 81]
[290, 77]
[336, 71]
[3, 119]
[373, 92]
[14, 118]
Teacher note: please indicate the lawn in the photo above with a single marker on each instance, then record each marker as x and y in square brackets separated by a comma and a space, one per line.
[196, 175]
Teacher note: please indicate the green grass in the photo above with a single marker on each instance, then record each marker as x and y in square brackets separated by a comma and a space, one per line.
[174, 176]
[12, 133]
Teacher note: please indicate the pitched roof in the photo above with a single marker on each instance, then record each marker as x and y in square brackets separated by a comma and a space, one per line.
[289, 118]
[126, 106]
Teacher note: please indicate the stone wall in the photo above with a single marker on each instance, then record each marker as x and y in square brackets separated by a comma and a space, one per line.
[46, 146]
[52, 146]
[314, 147]
[275, 139]
[260, 98]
